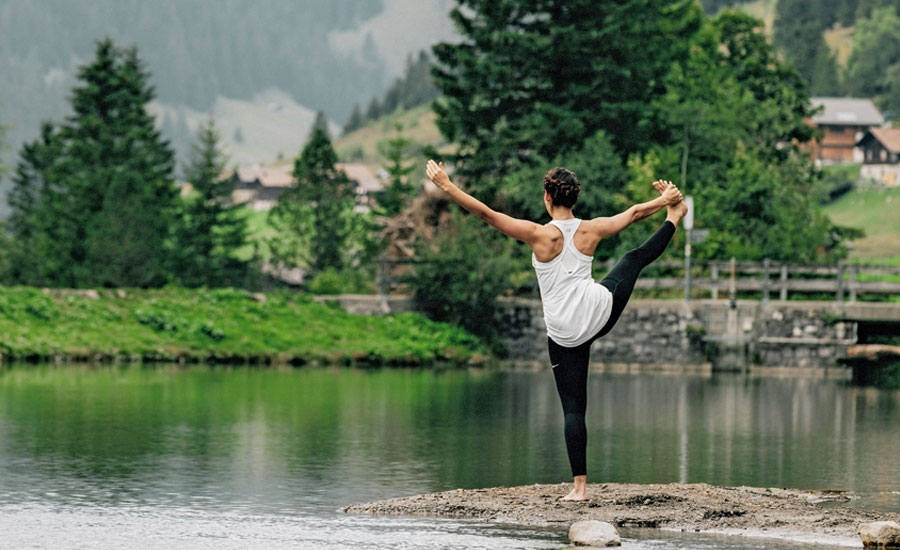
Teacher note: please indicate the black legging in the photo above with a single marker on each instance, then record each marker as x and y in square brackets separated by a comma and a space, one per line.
[570, 365]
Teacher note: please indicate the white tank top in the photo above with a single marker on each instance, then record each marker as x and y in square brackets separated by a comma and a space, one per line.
[575, 307]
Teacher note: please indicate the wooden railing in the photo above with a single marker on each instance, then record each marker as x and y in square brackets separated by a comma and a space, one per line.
[782, 280]
[720, 279]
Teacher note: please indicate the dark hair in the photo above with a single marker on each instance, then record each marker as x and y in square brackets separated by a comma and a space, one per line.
[563, 187]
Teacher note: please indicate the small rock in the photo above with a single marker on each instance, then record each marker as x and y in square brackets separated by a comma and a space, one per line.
[880, 534]
[594, 533]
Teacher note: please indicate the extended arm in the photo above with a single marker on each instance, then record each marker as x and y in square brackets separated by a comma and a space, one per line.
[522, 230]
[606, 227]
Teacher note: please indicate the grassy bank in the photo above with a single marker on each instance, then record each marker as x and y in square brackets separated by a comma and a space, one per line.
[218, 326]
[875, 212]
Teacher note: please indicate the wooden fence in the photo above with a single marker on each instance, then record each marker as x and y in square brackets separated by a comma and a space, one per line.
[721, 279]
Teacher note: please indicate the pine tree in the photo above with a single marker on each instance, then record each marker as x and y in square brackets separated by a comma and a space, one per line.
[400, 189]
[312, 218]
[874, 63]
[321, 123]
[355, 121]
[124, 177]
[210, 230]
[100, 188]
[373, 111]
[31, 200]
[539, 78]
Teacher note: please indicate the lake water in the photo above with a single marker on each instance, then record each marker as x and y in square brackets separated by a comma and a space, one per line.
[202, 457]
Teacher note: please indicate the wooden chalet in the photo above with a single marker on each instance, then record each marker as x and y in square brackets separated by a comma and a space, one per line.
[844, 121]
[881, 156]
[260, 186]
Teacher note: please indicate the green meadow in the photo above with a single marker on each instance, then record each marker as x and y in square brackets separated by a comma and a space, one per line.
[225, 325]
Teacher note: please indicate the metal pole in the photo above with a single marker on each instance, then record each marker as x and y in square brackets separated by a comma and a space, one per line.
[715, 281]
[382, 279]
[840, 284]
[732, 290]
[688, 226]
[784, 276]
[687, 268]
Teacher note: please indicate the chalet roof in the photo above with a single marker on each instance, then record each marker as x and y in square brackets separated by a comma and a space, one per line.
[366, 182]
[278, 178]
[847, 111]
[888, 137]
[268, 177]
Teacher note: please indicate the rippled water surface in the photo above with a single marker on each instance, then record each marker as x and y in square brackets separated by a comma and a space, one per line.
[164, 457]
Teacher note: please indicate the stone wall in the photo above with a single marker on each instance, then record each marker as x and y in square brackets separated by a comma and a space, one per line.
[669, 334]
[650, 332]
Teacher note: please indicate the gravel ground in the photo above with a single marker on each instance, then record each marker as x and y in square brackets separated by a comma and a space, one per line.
[787, 514]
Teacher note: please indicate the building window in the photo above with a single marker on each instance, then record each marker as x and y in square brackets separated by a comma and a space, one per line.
[893, 158]
[868, 154]
[883, 155]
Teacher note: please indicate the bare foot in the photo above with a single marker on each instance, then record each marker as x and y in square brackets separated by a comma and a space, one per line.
[575, 496]
[676, 212]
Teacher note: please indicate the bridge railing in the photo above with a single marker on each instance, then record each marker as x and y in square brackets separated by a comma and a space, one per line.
[719, 279]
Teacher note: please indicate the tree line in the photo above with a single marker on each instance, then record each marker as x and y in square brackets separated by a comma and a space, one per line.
[621, 93]
[874, 60]
[94, 201]
[415, 87]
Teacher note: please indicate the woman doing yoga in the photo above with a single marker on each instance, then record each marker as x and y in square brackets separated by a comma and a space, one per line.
[577, 310]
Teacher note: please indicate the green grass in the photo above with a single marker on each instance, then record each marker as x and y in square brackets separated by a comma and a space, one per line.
[875, 212]
[258, 231]
[216, 325]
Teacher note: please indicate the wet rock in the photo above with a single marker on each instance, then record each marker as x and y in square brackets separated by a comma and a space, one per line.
[594, 533]
[880, 534]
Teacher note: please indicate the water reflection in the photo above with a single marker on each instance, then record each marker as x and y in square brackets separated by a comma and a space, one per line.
[305, 441]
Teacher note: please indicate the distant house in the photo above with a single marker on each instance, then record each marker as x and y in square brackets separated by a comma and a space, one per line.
[843, 120]
[881, 156]
[260, 187]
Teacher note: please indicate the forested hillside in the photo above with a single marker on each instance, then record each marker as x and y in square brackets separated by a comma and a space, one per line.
[325, 56]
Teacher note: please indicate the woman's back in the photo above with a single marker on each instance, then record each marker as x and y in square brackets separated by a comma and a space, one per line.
[575, 307]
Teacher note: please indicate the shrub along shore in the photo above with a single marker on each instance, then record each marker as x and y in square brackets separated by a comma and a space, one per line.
[217, 326]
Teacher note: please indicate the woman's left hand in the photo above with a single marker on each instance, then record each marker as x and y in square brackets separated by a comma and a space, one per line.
[438, 175]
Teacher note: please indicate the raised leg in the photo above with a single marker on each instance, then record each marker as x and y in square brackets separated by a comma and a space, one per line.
[621, 278]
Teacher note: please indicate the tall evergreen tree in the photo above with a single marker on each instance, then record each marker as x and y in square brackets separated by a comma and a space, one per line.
[40, 249]
[542, 77]
[313, 217]
[373, 111]
[210, 229]
[825, 80]
[874, 63]
[120, 153]
[395, 151]
[355, 121]
[321, 123]
[99, 191]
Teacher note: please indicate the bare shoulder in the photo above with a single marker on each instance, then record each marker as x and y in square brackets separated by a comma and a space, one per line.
[548, 242]
[594, 226]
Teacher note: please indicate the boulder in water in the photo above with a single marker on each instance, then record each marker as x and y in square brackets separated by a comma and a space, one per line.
[880, 534]
[594, 533]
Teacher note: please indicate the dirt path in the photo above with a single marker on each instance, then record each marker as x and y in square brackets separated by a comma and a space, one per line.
[778, 513]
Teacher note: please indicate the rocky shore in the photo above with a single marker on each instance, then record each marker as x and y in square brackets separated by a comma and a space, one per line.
[788, 514]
